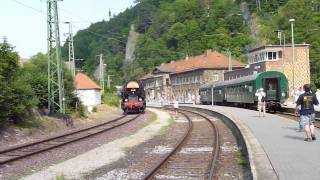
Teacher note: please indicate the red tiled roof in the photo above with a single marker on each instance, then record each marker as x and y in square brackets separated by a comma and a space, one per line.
[84, 82]
[147, 76]
[213, 60]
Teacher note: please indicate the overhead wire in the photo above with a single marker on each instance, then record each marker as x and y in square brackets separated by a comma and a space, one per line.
[42, 12]
[89, 31]
[28, 6]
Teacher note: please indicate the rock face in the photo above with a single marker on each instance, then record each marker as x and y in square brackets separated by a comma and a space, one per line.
[131, 44]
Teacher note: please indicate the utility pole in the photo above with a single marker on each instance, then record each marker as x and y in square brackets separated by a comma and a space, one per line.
[258, 4]
[72, 66]
[109, 81]
[293, 54]
[279, 34]
[212, 96]
[101, 71]
[55, 74]
[229, 61]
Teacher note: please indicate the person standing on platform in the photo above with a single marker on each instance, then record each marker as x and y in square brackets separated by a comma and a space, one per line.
[193, 99]
[306, 101]
[176, 106]
[161, 101]
[261, 101]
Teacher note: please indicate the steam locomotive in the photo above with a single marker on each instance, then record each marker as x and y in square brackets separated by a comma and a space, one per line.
[133, 97]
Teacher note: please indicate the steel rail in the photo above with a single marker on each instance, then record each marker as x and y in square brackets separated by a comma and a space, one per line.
[216, 151]
[58, 136]
[61, 143]
[178, 145]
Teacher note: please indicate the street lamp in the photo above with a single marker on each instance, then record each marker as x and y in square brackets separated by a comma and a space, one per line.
[293, 53]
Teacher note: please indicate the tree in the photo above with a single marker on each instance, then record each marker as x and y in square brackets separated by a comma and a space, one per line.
[16, 96]
[35, 74]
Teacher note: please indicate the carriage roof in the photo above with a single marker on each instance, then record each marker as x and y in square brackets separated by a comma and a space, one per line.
[239, 80]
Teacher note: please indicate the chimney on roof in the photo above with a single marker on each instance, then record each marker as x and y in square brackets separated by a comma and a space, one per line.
[187, 56]
[171, 62]
[208, 51]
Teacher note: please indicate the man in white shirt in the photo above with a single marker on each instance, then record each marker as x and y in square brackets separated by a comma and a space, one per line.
[261, 101]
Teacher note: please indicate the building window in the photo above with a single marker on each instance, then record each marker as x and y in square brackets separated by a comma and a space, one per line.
[272, 55]
[269, 55]
[215, 77]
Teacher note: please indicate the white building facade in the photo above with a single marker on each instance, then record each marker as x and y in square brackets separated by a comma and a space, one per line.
[88, 91]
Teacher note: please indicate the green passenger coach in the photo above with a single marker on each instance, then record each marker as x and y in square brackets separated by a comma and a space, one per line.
[241, 91]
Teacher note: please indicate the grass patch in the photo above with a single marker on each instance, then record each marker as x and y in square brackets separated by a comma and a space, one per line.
[126, 150]
[28, 124]
[166, 128]
[241, 159]
[153, 119]
[111, 99]
[60, 177]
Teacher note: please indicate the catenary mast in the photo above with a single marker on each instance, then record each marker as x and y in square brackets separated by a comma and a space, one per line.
[55, 72]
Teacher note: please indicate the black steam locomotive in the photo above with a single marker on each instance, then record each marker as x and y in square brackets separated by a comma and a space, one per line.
[133, 97]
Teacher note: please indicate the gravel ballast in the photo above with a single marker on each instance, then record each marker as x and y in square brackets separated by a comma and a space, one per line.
[85, 163]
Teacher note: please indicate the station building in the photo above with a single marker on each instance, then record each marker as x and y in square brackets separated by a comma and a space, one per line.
[181, 79]
[278, 58]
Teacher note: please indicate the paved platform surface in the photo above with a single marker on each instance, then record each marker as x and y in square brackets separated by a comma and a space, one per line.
[291, 157]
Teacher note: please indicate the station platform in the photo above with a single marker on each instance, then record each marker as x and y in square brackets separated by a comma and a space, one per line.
[274, 139]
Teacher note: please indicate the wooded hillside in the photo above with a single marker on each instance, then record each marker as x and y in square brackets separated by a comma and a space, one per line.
[172, 29]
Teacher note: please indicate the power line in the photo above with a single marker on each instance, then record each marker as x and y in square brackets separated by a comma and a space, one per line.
[94, 33]
[28, 6]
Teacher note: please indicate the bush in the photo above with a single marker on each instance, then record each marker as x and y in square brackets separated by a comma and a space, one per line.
[83, 111]
[94, 109]
[111, 99]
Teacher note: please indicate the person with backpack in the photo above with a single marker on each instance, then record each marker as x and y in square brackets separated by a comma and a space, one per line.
[261, 101]
[306, 101]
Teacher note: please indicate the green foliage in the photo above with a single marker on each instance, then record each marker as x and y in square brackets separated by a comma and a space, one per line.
[241, 158]
[169, 30]
[185, 27]
[35, 73]
[16, 95]
[60, 177]
[266, 7]
[83, 111]
[94, 109]
[111, 99]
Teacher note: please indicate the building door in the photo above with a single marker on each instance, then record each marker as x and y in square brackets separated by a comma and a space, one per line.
[272, 88]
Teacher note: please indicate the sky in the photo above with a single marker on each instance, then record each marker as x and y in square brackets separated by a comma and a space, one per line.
[24, 22]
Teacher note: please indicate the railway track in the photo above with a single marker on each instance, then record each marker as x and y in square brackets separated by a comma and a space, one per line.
[29, 149]
[195, 155]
